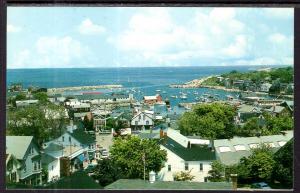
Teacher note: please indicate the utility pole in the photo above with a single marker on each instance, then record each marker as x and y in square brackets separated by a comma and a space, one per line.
[144, 161]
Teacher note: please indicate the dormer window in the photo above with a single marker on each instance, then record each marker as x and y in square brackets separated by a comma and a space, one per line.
[31, 150]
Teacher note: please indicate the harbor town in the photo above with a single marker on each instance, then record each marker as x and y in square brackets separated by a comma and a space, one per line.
[227, 131]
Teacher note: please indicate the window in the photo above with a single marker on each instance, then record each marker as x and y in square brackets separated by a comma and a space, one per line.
[147, 122]
[34, 166]
[63, 138]
[201, 166]
[205, 179]
[39, 164]
[70, 139]
[24, 169]
[169, 168]
[31, 150]
[52, 167]
[186, 166]
[136, 122]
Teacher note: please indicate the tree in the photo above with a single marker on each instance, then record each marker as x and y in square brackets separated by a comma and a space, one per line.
[283, 169]
[41, 96]
[131, 153]
[258, 166]
[88, 124]
[42, 122]
[183, 176]
[213, 121]
[107, 171]
[217, 172]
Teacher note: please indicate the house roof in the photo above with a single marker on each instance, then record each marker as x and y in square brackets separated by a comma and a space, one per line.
[46, 158]
[18, 145]
[275, 109]
[150, 97]
[80, 135]
[230, 151]
[54, 147]
[248, 109]
[77, 180]
[144, 113]
[137, 184]
[195, 153]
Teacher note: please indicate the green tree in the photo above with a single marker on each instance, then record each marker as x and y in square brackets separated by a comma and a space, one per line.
[211, 121]
[283, 169]
[42, 122]
[258, 166]
[88, 124]
[41, 96]
[217, 172]
[183, 176]
[130, 153]
[107, 171]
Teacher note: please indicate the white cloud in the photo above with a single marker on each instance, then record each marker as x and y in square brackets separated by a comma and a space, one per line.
[277, 38]
[52, 51]
[279, 13]
[153, 35]
[13, 29]
[87, 27]
[263, 61]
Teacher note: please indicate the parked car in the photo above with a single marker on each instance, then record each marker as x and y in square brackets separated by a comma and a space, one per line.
[260, 185]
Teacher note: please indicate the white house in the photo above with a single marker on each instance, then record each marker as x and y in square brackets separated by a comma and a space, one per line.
[52, 166]
[265, 87]
[185, 154]
[28, 155]
[142, 120]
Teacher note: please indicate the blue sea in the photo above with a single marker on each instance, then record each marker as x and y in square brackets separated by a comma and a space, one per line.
[145, 80]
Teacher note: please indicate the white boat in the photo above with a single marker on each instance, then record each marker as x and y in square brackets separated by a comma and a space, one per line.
[183, 97]
[157, 90]
[164, 92]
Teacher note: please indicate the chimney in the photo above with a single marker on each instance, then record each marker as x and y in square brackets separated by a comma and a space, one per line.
[234, 181]
[161, 133]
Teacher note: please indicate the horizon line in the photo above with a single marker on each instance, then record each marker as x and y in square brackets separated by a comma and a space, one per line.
[104, 67]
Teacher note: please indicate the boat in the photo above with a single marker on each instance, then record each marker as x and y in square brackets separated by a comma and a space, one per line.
[164, 92]
[195, 92]
[184, 97]
[173, 96]
[158, 90]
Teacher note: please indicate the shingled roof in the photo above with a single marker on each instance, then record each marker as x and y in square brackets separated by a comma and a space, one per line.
[194, 153]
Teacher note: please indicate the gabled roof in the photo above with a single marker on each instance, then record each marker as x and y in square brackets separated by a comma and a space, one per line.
[248, 109]
[146, 114]
[18, 145]
[195, 153]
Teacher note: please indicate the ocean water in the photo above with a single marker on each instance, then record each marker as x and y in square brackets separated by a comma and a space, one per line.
[144, 80]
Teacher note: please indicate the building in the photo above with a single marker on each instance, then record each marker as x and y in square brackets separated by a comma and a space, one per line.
[75, 144]
[185, 154]
[246, 112]
[230, 151]
[25, 103]
[27, 153]
[265, 87]
[142, 120]
[151, 100]
[12, 169]
[52, 166]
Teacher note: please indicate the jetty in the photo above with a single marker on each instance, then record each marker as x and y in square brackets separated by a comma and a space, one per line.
[196, 83]
[78, 88]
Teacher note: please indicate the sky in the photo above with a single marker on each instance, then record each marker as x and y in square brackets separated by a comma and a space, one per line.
[73, 37]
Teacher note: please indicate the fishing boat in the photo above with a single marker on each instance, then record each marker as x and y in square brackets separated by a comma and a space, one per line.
[183, 97]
